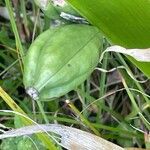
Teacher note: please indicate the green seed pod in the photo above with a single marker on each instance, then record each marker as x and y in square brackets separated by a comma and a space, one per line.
[60, 59]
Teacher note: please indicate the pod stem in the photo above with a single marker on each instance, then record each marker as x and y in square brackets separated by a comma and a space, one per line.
[42, 111]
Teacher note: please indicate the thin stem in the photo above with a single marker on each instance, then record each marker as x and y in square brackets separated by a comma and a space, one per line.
[42, 111]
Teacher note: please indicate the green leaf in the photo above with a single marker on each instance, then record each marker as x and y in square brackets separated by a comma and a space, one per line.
[21, 143]
[123, 22]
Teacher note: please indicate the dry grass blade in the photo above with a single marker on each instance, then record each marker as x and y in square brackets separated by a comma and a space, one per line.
[138, 54]
[71, 138]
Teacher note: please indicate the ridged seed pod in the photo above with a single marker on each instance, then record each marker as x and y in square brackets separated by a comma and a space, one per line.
[60, 59]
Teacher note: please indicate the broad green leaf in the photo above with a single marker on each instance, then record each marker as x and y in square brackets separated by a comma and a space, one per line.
[123, 22]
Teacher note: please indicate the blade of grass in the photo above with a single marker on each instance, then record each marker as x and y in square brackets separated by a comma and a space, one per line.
[135, 106]
[102, 83]
[116, 130]
[6, 69]
[137, 84]
[14, 27]
[85, 121]
[92, 100]
[25, 20]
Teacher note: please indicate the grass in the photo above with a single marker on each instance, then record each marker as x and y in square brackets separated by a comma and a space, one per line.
[111, 105]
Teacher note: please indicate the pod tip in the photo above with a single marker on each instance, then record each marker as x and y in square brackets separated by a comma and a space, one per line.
[32, 92]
